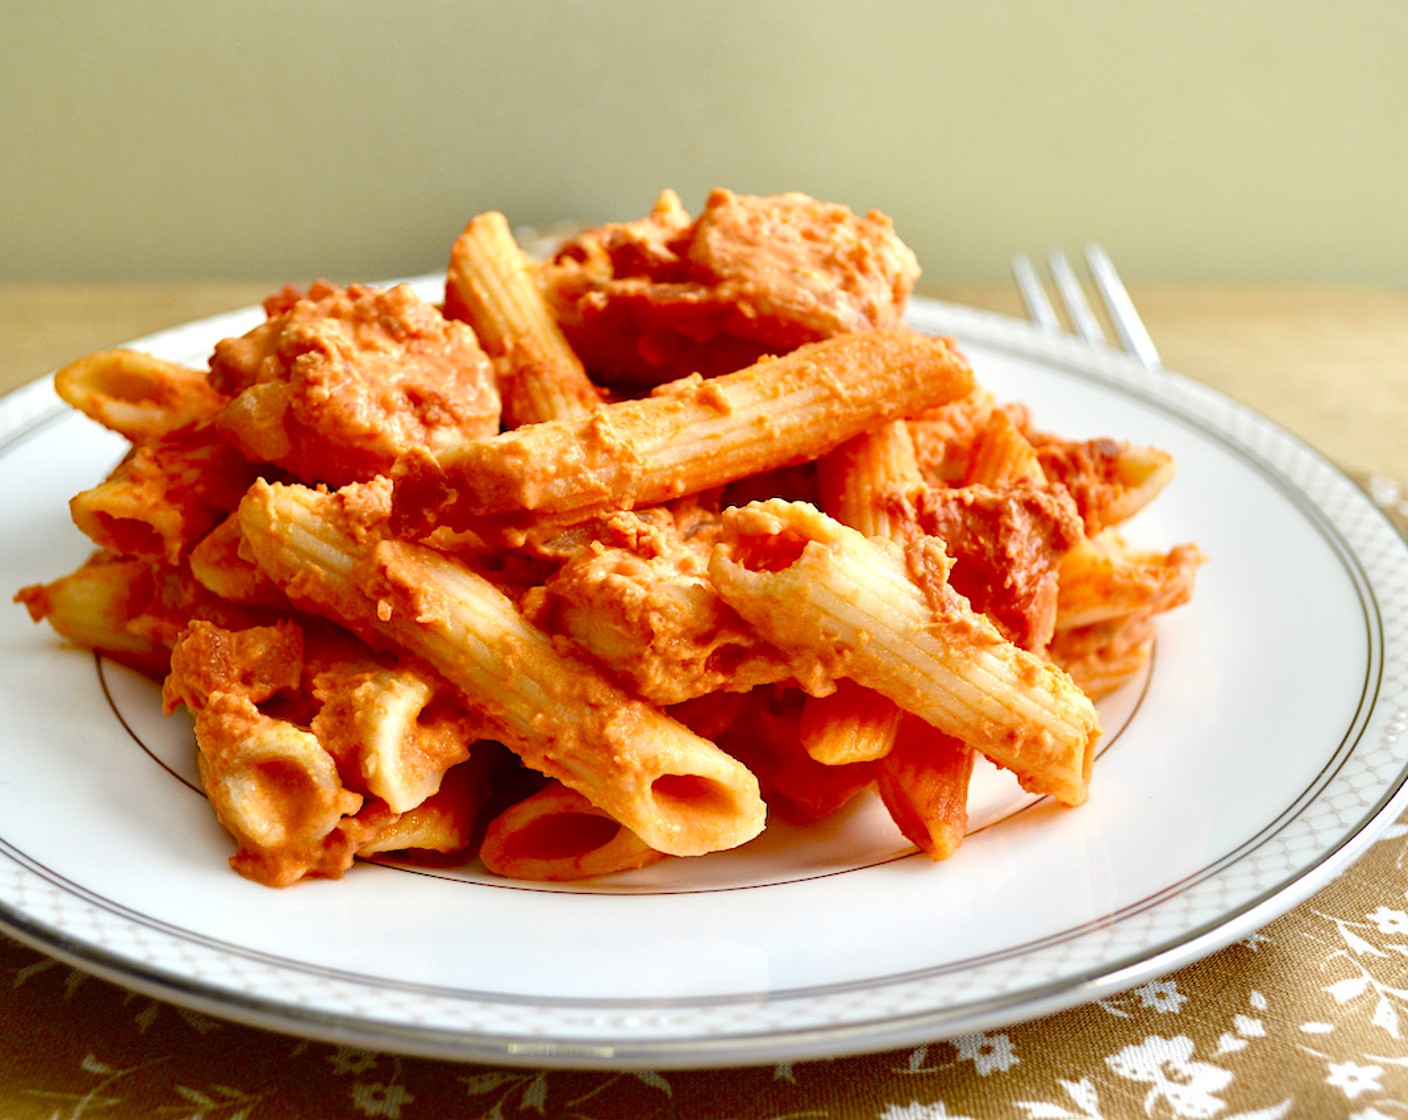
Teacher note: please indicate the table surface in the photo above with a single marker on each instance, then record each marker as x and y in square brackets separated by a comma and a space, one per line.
[1309, 1017]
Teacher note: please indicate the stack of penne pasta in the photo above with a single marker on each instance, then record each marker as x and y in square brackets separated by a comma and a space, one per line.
[608, 555]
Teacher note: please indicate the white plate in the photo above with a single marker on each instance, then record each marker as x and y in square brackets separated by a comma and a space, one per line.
[1262, 753]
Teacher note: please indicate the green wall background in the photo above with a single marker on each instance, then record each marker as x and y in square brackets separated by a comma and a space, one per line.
[1239, 140]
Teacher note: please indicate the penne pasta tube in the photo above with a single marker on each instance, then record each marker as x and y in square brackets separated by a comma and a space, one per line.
[846, 606]
[1110, 480]
[276, 791]
[944, 436]
[557, 835]
[1101, 578]
[164, 496]
[380, 724]
[1001, 454]
[691, 435]
[440, 826]
[854, 724]
[852, 480]
[764, 735]
[216, 564]
[130, 609]
[677, 791]
[96, 605]
[922, 774]
[1105, 655]
[923, 781]
[137, 394]
[488, 285]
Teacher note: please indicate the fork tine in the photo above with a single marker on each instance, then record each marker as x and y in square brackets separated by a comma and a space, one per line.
[1121, 308]
[1073, 295]
[1133, 336]
[1039, 308]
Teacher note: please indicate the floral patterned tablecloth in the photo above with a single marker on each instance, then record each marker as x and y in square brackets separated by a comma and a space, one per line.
[1306, 1018]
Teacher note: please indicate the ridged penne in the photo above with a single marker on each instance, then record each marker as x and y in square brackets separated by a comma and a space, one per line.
[442, 827]
[1110, 480]
[276, 791]
[765, 735]
[688, 436]
[137, 394]
[97, 605]
[853, 480]
[489, 286]
[557, 835]
[164, 496]
[216, 564]
[678, 792]
[847, 607]
[1101, 578]
[1002, 454]
[921, 773]
[854, 724]
[943, 436]
[923, 781]
[1105, 655]
[383, 725]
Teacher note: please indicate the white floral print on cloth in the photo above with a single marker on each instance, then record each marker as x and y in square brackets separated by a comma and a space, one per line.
[1308, 1017]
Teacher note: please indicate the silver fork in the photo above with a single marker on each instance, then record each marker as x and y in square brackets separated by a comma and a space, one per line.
[1120, 308]
[1388, 494]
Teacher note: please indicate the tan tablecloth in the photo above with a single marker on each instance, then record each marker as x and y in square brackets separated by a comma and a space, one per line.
[1307, 1018]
